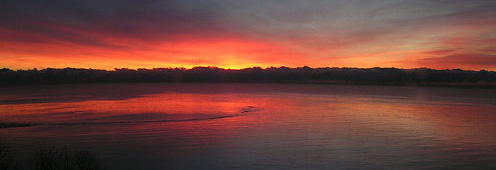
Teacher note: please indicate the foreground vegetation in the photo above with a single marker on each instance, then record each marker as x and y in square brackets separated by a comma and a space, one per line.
[388, 76]
[49, 157]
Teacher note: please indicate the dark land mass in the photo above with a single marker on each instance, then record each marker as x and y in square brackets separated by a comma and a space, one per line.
[15, 124]
[370, 76]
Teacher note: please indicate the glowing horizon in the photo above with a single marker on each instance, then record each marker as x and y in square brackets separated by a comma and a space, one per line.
[243, 34]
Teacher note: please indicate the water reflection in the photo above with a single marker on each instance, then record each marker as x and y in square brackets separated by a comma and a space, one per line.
[265, 126]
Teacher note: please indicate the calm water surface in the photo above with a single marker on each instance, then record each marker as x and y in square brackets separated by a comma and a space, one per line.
[257, 126]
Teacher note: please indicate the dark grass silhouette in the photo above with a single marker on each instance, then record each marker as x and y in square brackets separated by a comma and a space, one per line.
[6, 159]
[376, 76]
[49, 157]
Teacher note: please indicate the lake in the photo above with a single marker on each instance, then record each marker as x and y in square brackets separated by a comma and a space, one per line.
[159, 126]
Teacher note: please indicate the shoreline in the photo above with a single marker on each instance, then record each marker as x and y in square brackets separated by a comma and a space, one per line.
[440, 85]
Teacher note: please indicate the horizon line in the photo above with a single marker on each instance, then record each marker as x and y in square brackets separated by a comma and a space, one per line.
[189, 68]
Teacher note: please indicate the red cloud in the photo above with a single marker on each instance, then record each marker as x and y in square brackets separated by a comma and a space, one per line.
[467, 61]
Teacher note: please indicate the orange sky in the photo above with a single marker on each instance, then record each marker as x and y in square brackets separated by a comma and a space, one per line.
[240, 34]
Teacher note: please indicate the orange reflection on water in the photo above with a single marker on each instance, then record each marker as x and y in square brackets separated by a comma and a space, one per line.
[164, 106]
[160, 105]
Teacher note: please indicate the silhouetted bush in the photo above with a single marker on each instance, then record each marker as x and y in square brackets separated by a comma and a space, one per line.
[85, 161]
[6, 159]
[387, 76]
[48, 157]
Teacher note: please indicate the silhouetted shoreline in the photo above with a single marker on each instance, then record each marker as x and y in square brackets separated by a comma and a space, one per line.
[366, 76]
[15, 124]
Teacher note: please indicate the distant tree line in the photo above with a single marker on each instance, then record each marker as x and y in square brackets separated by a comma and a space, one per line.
[386, 76]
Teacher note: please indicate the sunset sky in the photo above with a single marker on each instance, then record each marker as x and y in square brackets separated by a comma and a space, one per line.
[245, 33]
